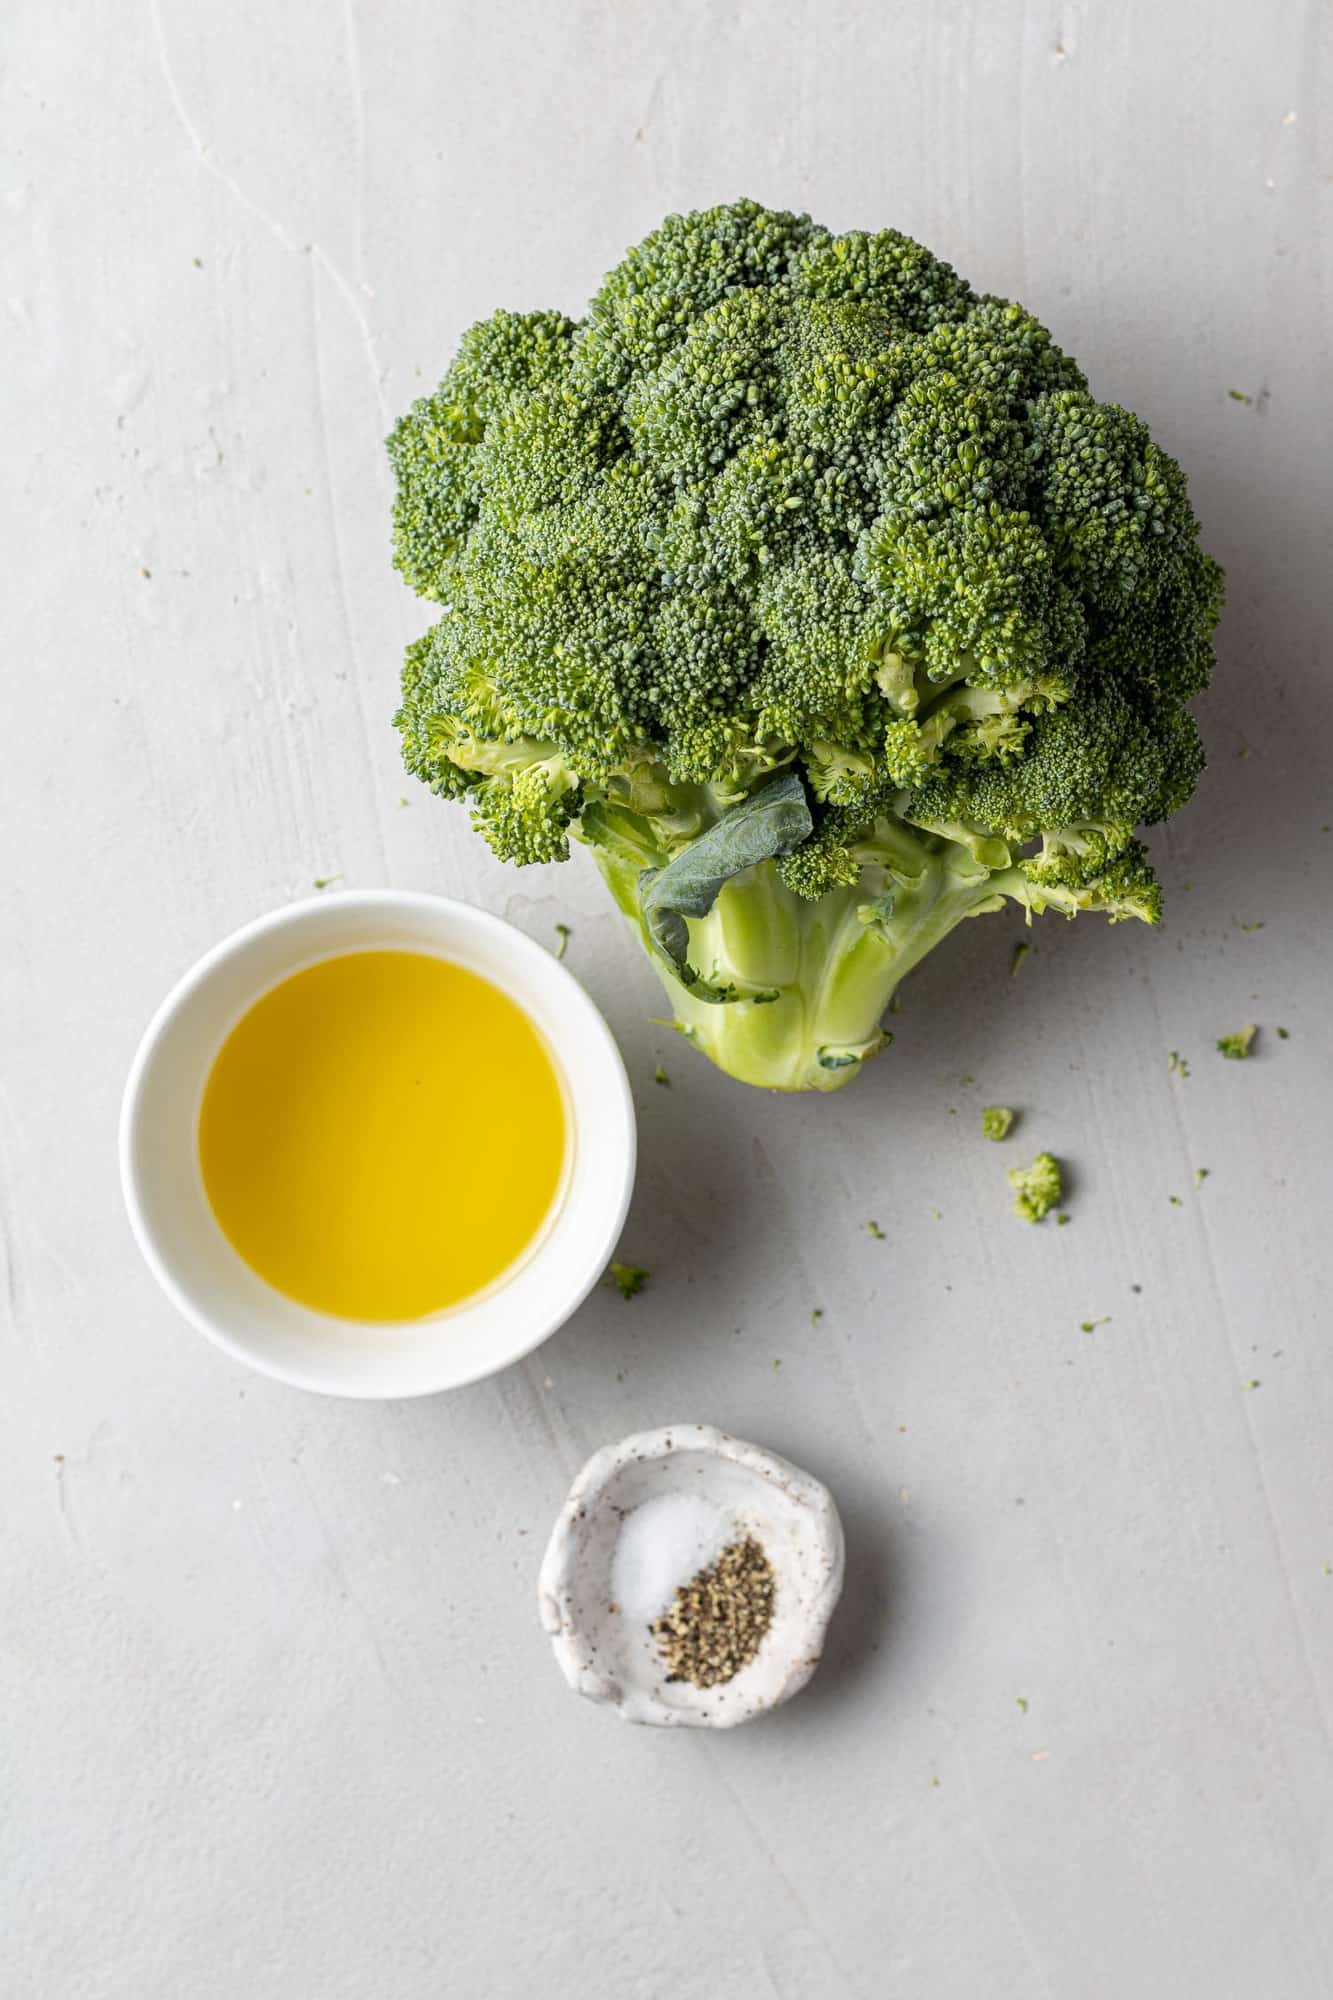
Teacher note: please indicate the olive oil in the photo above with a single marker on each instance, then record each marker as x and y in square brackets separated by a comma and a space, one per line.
[383, 1135]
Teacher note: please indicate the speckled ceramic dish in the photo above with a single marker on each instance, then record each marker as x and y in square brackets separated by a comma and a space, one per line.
[642, 1518]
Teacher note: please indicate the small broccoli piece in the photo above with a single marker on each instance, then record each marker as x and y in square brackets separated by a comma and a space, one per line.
[873, 1229]
[1037, 1188]
[627, 1279]
[1237, 1046]
[660, 1076]
[564, 934]
[996, 1121]
[1177, 1064]
[801, 515]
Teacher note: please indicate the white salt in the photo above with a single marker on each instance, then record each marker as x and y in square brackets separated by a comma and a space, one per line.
[661, 1545]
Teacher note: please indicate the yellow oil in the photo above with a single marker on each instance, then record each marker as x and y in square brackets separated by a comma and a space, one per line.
[382, 1135]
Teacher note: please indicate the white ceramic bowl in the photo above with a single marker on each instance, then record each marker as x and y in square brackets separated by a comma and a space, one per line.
[206, 1279]
[620, 1548]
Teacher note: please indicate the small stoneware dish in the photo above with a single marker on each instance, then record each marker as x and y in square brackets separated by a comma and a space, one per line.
[219, 1293]
[644, 1517]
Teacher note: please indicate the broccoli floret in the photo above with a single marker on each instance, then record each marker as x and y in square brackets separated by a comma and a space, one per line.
[627, 1279]
[801, 515]
[1037, 1188]
[1237, 1046]
[996, 1121]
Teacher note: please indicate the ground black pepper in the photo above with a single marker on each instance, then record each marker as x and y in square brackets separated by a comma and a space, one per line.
[716, 1622]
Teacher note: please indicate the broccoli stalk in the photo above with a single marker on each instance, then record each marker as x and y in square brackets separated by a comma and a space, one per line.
[812, 980]
[813, 593]
[788, 991]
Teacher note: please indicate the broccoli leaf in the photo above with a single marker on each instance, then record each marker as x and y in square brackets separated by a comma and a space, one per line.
[768, 824]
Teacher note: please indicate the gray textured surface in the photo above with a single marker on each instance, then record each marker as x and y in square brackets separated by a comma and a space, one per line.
[281, 1721]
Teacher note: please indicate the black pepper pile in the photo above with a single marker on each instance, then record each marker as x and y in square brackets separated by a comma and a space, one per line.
[716, 1622]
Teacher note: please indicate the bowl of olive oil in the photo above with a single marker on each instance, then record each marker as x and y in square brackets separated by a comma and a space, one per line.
[377, 1144]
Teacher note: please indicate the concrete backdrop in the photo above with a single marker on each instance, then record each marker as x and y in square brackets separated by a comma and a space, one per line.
[280, 1722]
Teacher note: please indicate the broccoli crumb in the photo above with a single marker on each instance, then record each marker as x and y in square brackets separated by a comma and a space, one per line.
[996, 1121]
[1282, 1034]
[564, 934]
[1036, 1188]
[1237, 1046]
[1239, 396]
[326, 881]
[1253, 1383]
[874, 1230]
[1061, 1220]
[1200, 1175]
[1021, 950]
[1175, 1201]
[660, 1076]
[1091, 1325]
[816, 1314]
[1021, 1701]
[1177, 1064]
[628, 1279]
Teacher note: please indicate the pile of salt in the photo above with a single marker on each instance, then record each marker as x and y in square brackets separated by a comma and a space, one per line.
[661, 1545]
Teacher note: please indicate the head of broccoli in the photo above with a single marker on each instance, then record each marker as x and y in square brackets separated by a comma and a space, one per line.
[814, 594]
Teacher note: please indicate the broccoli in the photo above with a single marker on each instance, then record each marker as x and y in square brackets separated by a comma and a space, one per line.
[996, 1121]
[813, 593]
[627, 1279]
[1036, 1188]
[1237, 1046]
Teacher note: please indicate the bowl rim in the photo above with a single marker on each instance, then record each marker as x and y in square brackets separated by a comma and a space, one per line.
[422, 903]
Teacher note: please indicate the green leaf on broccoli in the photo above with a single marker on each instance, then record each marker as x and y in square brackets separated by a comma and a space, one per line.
[768, 824]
